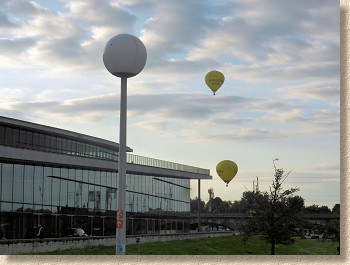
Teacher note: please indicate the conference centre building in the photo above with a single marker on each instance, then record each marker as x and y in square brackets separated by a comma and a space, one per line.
[62, 179]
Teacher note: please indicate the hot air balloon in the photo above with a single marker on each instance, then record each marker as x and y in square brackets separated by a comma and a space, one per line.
[227, 170]
[214, 80]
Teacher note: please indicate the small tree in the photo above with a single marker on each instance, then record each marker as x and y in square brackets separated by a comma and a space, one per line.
[276, 214]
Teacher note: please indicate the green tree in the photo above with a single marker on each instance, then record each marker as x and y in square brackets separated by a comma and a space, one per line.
[316, 209]
[275, 214]
[333, 228]
[336, 208]
[194, 205]
[217, 205]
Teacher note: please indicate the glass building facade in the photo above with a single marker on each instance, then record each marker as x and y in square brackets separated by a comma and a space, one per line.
[61, 196]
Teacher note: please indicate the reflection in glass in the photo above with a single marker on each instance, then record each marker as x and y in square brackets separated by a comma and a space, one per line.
[18, 183]
[85, 195]
[63, 193]
[38, 185]
[55, 191]
[47, 185]
[6, 187]
[28, 184]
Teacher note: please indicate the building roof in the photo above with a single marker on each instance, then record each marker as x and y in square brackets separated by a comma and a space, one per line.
[60, 132]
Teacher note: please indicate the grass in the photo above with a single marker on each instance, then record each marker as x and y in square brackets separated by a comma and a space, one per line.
[227, 245]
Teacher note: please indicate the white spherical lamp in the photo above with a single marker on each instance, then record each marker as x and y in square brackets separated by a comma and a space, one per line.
[124, 55]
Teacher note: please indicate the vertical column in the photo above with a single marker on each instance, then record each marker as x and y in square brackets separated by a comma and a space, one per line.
[121, 214]
[199, 205]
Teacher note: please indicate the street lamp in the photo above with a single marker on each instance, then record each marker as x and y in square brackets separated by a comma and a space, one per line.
[124, 56]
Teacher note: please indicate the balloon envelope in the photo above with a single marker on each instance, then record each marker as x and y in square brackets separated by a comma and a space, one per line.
[214, 80]
[227, 170]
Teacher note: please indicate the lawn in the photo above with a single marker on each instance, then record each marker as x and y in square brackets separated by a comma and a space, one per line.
[226, 245]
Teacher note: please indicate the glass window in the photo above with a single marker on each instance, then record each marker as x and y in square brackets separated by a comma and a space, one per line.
[2, 134]
[98, 178]
[103, 178]
[79, 174]
[7, 177]
[42, 142]
[38, 185]
[85, 149]
[47, 143]
[63, 145]
[109, 197]
[18, 183]
[64, 173]
[69, 147]
[92, 175]
[86, 175]
[138, 183]
[132, 182]
[80, 149]
[8, 136]
[78, 194]
[22, 138]
[91, 199]
[103, 199]
[55, 191]
[47, 185]
[16, 137]
[85, 195]
[74, 147]
[36, 141]
[128, 187]
[53, 144]
[6, 206]
[109, 179]
[93, 151]
[59, 145]
[114, 180]
[97, 197]
[71, 193]
[63, 193]
[28, 184]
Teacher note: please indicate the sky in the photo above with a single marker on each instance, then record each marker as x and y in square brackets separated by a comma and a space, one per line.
[280, 98]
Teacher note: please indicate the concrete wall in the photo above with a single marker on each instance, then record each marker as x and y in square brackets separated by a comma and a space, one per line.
[22, 246]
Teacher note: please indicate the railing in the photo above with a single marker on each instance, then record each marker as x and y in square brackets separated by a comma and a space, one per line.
[152, 162]
[240, 215]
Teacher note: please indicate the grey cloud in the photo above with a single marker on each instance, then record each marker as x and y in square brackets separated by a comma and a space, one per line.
[166, 106]
[26, 8]
[245, 134]
[16, 47]
[5, 21]
[100, 13]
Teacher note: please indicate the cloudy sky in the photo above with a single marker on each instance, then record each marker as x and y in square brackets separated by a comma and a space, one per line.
[280, 98]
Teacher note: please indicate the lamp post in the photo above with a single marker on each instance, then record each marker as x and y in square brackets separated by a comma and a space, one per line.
[124, 56]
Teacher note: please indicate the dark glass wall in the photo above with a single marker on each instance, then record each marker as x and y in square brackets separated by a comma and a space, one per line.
[60, 198]
[27, 139]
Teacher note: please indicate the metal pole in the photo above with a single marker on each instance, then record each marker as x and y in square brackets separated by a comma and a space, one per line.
[199, 205]
[121, 214]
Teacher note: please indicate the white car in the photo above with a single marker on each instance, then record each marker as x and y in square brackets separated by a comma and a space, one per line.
[75, 232]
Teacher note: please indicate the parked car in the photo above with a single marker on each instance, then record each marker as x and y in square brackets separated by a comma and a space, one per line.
[75, 232]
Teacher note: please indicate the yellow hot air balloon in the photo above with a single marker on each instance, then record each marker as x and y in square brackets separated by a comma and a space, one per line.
[214, 80]
[227, 170]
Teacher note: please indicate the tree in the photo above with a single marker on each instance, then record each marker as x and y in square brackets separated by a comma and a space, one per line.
[194, 205]
[216, 205]
[336, 208]
[316, 209]
[275, 214]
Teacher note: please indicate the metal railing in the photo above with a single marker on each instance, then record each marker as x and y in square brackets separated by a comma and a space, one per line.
[152, 162]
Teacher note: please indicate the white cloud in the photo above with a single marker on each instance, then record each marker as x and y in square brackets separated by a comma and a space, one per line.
[320, 91]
